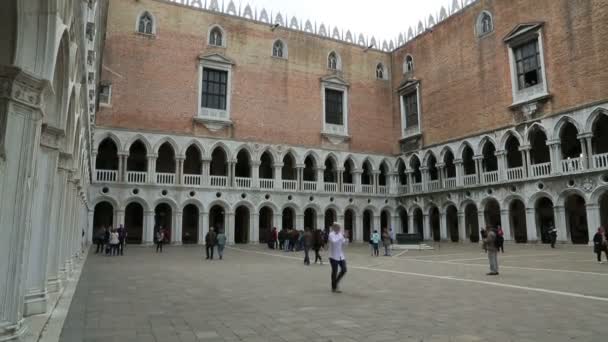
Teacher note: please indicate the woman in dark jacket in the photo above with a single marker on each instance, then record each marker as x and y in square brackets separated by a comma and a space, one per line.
[317, 243]
[600, 244]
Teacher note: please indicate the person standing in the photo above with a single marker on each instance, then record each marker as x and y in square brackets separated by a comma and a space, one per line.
[376, 241]
[99, 236]
[106, 241]
[221, 243]
[160, 239]
[386, 242]
[500, 236]
[391, 233]
[114, 241]
[122, 237]
[307, 243]
[317, 244]
[552, 234]
[210, 241]
[336, 241]
[491, 246]
[600, 244]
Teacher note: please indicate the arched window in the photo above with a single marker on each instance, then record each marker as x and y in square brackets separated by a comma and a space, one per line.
[332, 61]
[278, 49]
[380, 71]
[485, 24]
[408, 64]
[216, 37]
[145, 23]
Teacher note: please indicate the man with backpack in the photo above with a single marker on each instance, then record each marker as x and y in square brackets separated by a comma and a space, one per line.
[490, 244]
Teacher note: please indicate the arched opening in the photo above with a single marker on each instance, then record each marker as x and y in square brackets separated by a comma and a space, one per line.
[382, 177]
[103, 217]
[310, 218]
[471, 222]
[368, 222]
[385, 218]
[266, 166]
[408, 64]
[163, 219]
[603, 202]
[193, 164]
[107, 155]
[380, 71]
[241, 225]
[366, 176]
[219, 163]
[468, 163]
[419, 222]
[165, 163]
[347, 175]
[145, 23]
[514, 158]
[243, 164]
[332, 61]
[277, 49]
[288, 219]
[600, 135]
[451, 215]
[349, 223]
[190, 216]
[517, 215]
[416, 174]
[330, 174]
[265, 224]
[539, 152]
[288, 172]
[403, 228]
[570, 145]
[401, 172]
[310, 174]
[138, 159]
[330, 218]
[544, 218]
[576, 219]
[492, 213]
[431, 164]
[435, 218]
[134, 222]
[489, 161]
[450, 167]
[216, 37]
[217, 218]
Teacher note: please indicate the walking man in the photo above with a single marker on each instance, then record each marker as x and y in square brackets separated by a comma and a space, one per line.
[210, 240]
[552, 234]
[491, 246]
[336, 242]
[122, 236]
[221, 243]
[307, 237]
[160, 237]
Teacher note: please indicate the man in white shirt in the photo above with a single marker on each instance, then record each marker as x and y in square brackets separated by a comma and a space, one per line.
[336, 241]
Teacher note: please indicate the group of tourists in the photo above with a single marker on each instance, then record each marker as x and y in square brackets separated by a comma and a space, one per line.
[387, 237]
[213, 240]
[110, 241]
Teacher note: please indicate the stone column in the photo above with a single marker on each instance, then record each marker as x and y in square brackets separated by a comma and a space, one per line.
[320, 221]
[121, 166]
[206, 172]
[443, 225]
[93, 169]
[505, 222]
[340, 178]
[410, 224]
[441, 174]
[278, 173]
[588, 137]
[90, 228]
[179, 174]
[358, 228]
[255, 174]
[556, 155]
[320, 180]
[376, 224]
[481, 217]
[254, 228]
[203, 227]
[593, 220]
[459, 172]
[231, 174]
[426, 226]
[462, 229]
[393, 181]
[376, 181]
[149, 229]
[410, 180]
[56, 229]
[502, 164]
[120, 218]
[176, 235]
[425, 178]
[527, 162]
[230, 221]
[478, 168]
[531, 225]
[299, 221]
[357, 179]
[152, 168]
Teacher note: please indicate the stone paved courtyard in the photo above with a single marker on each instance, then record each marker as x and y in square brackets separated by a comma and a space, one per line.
[256, 294]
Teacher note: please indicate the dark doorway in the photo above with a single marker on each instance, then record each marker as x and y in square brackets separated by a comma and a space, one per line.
[107, 155]
[163, 218]
[600, 135]
[517, 215]
[419, 222]
[103, 217]
[310, 218]
[471, 222]
[404, 221]
[134, 222]
[368, 219]
[604, 209]
[217, 218]
[330, 218]
[241, 225]
[545, 219]
[492, 213]
[349, 223]
[384, 220]
[576, 219]
[190, 217]
[452, 222]
[289, 217]
[435, 224]
[138, 159]
[265, 224]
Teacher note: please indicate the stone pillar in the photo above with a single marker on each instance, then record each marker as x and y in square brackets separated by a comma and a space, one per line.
[478, 168]
[149, 229]
[588, 137]
[393, 182]
[505, 222]
[320, 180]
[410, 224]
[426, 226]
[121, 166]
[179, 176]
[593, 220]
[278, 173]
[230, 221]
[231, 175]
[443, 225]
[462, 229]
[531, 225]
[176, 235]
[376, 181]
[90, 228]
[254, 227]
[206, 172]
[502, 164]
[358, 228]
[255, 174]
[527, 162]
[556, 155]
[441, 174]
[425, 178]
[410, 180]
[481, 217]
[320, 221]
[152, 168]
[300, 176]
[120, 218]
[93, 169]
[357, 179]
[203, 227]
[560, 223]
[56, 229]
[340, 178]
[376, 224]
[459, 172]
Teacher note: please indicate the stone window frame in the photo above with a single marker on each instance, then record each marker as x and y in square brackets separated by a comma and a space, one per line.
[154, 23]
[285, 49]
[522, 34]
[384, 72]
[224, 36]
[407, 132]
[107, 103]
[479, 24]
[408, 68]
[215, 119]
[338, 61]
[336, 132]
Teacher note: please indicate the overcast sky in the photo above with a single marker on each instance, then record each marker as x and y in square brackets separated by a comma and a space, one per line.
[383, 18]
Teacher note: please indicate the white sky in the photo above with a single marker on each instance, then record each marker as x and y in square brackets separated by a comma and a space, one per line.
[384, 19]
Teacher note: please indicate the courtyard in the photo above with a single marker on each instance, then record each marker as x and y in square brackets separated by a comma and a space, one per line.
[257, 294]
